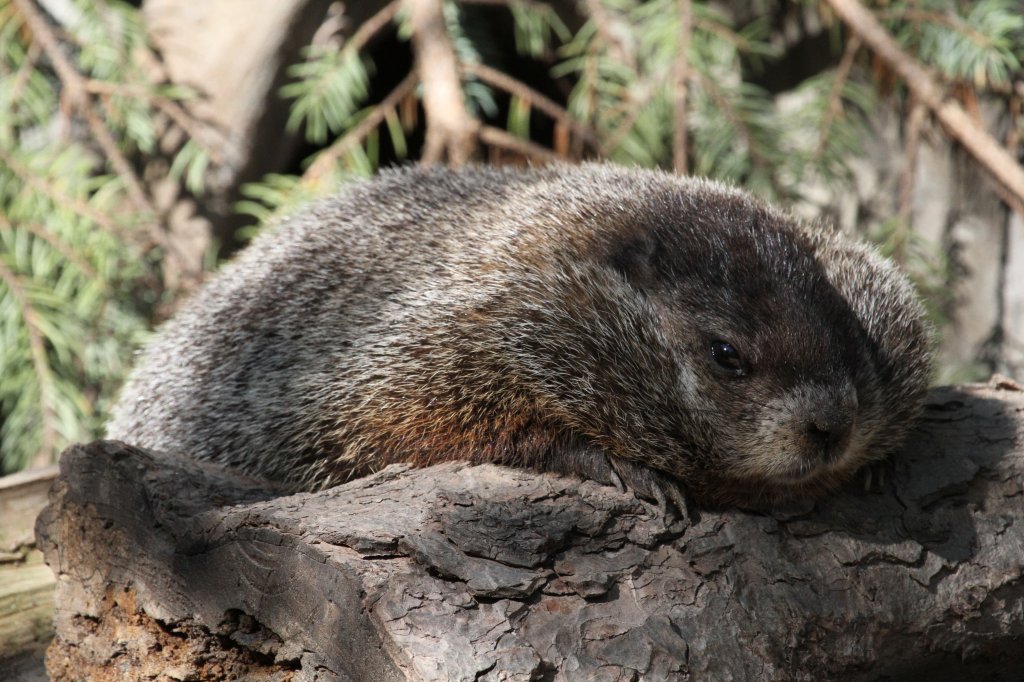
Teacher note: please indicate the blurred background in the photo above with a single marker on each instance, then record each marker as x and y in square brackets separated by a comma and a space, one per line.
[143, 143]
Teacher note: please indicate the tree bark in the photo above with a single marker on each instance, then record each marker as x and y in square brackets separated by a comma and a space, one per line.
[458, 572]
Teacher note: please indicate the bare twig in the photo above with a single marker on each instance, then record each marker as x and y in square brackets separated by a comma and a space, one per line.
[928, 90]
[40, 363]
[680, 87]
[1015, 203]
[915, 120]
[372, 26]
[835, 95]
[503, 81]
[500, 138]
[610, 32]
[76, 94]
[328, 157]
[451, 129]
[210, 139]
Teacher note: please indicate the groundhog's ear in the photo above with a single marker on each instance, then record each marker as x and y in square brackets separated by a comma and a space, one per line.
[636, 260]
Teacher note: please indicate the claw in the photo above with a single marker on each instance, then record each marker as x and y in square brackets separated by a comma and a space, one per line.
[659, 497]
[616, 480]
[653, 485]
[595, 463]
[876, 476]
[679, 499]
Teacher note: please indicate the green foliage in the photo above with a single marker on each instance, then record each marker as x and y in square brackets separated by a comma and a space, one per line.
[66, 272]
[479, 98]
[277, 196]
[823, 128]
[329, 87]
[624, 66]
[981, 42]
[537, 26]
[929, 270]
[65, 341]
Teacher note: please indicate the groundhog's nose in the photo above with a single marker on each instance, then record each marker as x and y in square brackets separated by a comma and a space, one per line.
[828, 433]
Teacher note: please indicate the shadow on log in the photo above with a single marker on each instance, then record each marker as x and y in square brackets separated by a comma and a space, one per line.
[456, 572]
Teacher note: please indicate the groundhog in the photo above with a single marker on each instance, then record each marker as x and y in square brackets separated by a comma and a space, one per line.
[624, 325]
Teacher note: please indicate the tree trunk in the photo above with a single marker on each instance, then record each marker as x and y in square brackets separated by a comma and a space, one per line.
[455, 572]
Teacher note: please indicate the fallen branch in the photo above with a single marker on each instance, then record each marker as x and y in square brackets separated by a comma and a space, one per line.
[458, 572]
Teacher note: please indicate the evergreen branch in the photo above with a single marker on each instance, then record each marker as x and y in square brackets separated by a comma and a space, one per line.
[74, 90]
[982, 146]
[680, 86]
[40, 363]
[732, 37]
[331, 26]
[725, 106]
[173, 111]
[501, 138]
[24, 71]
[590, 70]
[502, 81]
[950, 21]
[835, 96]
[632, 107]
[328, 157]
[532, 4]
[610, 33]
[53, 240]
[56, 196]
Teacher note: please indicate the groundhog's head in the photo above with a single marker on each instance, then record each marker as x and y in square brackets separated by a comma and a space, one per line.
[750, 356]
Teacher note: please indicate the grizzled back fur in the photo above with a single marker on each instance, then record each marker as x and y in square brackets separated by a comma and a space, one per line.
[620, 324]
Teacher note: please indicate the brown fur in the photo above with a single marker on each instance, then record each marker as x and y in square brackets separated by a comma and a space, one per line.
[560, 319]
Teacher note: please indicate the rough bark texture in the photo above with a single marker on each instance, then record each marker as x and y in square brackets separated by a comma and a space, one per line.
[463, 573]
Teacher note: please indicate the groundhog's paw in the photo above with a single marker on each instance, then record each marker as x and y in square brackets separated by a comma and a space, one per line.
[652, 485]
[588, 461]
[877, 475]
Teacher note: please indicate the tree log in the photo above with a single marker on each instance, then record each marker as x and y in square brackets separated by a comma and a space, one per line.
[461, 572]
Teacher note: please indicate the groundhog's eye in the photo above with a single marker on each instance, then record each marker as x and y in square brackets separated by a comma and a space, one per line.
[728, 358]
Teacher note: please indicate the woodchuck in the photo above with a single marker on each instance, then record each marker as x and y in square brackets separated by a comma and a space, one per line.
[625, 325]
